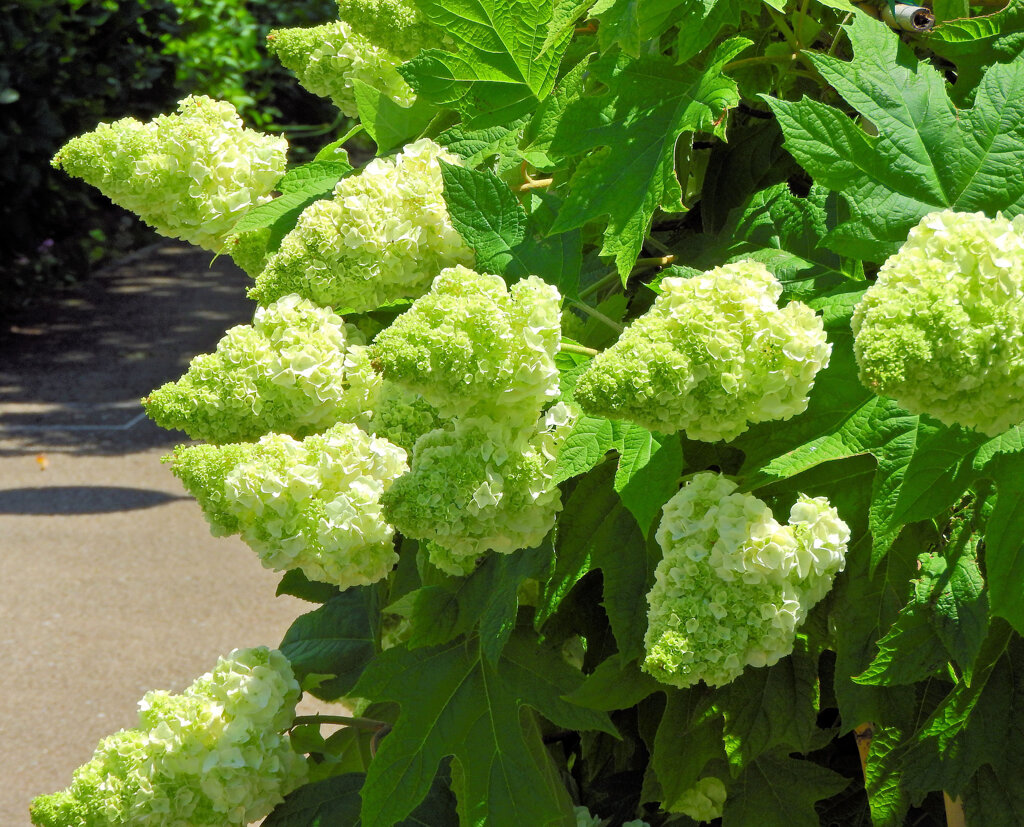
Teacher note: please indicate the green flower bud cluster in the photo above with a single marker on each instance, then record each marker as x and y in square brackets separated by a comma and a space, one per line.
[704, 802]
[477, 486]
[733, 585]
[473, 347]
[328, 58]
[213, 755]
[396, 26]
[296, 369]
[249, 250]
[313, 505]
[384, 236]
[942, 329]
[191, 175]
[714, 355]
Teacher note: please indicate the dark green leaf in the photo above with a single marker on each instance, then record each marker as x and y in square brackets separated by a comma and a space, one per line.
[615, 685]
[648, 472]
[649, 103]
[778, 791]
[1004, 541]
[389, 124]
[298, 585]
[928, 155]
[336, 639]
[456, 703]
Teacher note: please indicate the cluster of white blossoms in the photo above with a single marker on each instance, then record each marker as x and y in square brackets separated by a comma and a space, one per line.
[714, 355]
[704, 801]
[941, 331]
[479, 485]
[327, 59]
[383, 236]
[191, 175]
[395, 25]
[733, 584]
[213, 755]
[473, 347]
[296, 369]
[313, 505]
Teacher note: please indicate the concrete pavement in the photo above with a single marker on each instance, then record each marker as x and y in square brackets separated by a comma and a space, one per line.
[110, 583]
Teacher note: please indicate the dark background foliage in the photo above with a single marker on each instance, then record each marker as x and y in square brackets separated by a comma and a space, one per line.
[65, 66]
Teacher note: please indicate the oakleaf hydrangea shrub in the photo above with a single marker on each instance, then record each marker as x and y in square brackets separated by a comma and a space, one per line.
[191, 175]
[734, 585]
[297, 369]
[328, 58]
[383, 236]
[714, 354]
[217, 754]
[473, 346]
[942, 329]
[540, 484]
[313, 505]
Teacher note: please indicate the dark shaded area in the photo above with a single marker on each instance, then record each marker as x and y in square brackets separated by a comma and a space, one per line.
[80, 499]
[73, 369]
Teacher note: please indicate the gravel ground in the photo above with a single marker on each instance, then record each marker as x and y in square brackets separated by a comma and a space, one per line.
[111, 582]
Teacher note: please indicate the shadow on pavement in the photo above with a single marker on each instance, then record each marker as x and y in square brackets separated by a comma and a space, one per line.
[73, 369]
[80, 499]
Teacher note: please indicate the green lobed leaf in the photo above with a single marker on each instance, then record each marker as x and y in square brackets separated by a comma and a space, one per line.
[688, 738]
[487, 597]
[648, 104]
[615, 684]
[478, 146]
[928, 155]
[765, 708]
[501, 67]
[390, 124]
[1004, 540]
[295, 583]
[629, 23]
[454, 702]
[975, 43]
[648, 472]
[779, 791]
[590, 438]
[337, 639]
[491, 220]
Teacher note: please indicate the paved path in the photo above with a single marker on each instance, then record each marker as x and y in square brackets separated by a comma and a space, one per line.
[110, 583]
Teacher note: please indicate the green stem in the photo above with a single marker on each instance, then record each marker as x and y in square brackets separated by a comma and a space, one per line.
[571, 348]
[596, 314]
[345, 720]
[602, 282]
[758, 60]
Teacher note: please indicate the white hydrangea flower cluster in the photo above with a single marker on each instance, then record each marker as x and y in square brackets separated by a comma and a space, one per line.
[328, 58]
[191, 175]
[213, 755]
[313, 505]
[714, 355]
[477, 486]
[296, 369]
[474, 347]
[704, 802]
[402, 416]
[734, 585]
[383, 236]
[942, 329]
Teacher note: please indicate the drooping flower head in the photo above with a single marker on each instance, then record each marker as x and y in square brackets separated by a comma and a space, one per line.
[191, 175]
[213, 755]
[328, 58]
[383, 236]
[296, 369]
[941, 331]
[396, 26]
[473, 347]
[713, 355]
[479, 485]
[733, 584]
[313, 505]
